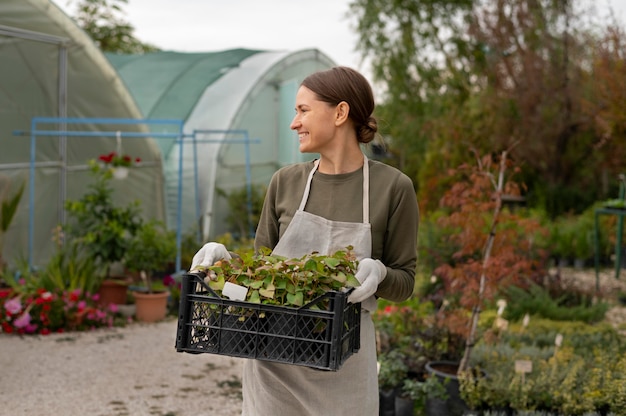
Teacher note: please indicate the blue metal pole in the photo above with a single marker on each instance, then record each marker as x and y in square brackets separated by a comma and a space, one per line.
[195, 184]
[31, 195]
[179, 203]
[249, 184]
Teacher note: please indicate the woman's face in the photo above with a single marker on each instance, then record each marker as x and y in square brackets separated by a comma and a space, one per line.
[314, 121]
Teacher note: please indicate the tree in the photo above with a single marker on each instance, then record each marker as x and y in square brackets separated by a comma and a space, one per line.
[486, 73]
[104, 22]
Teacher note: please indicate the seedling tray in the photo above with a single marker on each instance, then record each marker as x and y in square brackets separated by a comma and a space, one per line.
[321, 338]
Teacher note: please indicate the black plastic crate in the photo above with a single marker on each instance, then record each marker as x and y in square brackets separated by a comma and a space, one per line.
[321, 338]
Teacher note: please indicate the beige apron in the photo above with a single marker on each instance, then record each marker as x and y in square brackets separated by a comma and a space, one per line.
[274, 389]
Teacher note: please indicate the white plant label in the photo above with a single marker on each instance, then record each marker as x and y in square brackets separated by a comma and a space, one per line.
[523, 366]
[234, 292]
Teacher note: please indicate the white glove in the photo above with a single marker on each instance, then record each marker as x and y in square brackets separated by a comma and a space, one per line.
[370, 273]
[208, 255]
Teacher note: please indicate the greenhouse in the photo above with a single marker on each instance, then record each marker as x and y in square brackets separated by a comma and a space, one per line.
[201, 125]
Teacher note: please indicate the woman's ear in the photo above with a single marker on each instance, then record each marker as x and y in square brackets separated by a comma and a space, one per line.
[341, 113]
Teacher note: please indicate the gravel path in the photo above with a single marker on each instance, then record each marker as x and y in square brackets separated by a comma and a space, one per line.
[133, 370]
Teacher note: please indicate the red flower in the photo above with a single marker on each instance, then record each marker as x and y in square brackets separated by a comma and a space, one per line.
[113, 159]
[7, 328]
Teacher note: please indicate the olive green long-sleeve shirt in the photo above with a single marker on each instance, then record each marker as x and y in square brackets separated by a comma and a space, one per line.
[394, 215]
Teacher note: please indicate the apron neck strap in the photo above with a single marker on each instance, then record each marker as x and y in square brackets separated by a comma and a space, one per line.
[366, 191]
[307, 188]
[366, 188]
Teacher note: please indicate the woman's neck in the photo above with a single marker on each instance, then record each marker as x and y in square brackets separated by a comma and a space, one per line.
[341, 161]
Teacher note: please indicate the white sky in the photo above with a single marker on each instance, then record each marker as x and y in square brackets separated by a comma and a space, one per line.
[292, 25]
[215, 25]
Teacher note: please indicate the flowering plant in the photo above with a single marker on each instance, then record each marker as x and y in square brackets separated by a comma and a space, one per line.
[43, 312]
[114, 160]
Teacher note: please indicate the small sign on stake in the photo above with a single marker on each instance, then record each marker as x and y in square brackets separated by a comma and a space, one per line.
[523, 367]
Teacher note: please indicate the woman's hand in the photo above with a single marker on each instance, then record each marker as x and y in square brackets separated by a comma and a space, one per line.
[370, 273]
[208, 255]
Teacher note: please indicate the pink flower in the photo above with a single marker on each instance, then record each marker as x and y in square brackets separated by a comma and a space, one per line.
[82, 305]
[113, 307]
[13, 306]
[23, 320]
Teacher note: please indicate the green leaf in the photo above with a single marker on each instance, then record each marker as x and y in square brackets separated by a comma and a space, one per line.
[217, 284]
[352, 281]
[254, 297]
[310, 265]
[9, 208]
[296, 299]
[256, 284]
[340, 277]
[268, 291]
[332, 262]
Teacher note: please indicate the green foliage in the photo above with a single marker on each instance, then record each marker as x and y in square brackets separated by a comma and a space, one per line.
[561, 381]
[583, 338]
[434, 243]
[9, 206]
[68, 270]
[419, 391]
[466, 74]
[241, 246]
[393, 370]
[152, 248]
[239, 218]
[104, 23]
[8, 209]
[538, 301]
[414, 328]
[99, 227]
[277, 280]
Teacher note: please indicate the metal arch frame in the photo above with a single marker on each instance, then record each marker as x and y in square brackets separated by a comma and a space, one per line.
[62, 134]
[245, 140]
[179, 139]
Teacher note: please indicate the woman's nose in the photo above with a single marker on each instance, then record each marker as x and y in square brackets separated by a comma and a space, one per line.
[294, 123]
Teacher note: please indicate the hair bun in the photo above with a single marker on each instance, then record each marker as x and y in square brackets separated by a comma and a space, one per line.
[367, 132]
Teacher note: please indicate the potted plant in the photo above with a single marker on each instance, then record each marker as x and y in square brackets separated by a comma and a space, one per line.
[151, 249]
[493, 251]
[118, 164]
[103, 231]
[392, 372]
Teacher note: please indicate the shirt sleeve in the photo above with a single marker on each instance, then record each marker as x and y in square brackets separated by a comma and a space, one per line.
[267, 232]
[400, 242]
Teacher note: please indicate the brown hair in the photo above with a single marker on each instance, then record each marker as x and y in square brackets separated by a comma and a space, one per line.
[345, 84]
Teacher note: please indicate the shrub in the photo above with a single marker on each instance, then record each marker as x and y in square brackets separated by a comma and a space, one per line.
[538, 301]
[561, 381]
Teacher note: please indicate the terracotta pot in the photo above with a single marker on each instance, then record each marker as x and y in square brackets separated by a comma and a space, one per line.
[150, 307]
[112, 291]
